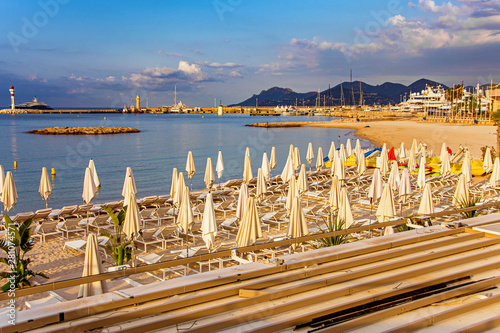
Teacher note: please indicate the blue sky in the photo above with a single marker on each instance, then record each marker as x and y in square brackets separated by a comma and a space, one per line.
[100, 53]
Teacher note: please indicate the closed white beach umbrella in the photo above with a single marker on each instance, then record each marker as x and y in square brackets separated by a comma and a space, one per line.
[444, 151]
[357, 148]
[414, 147]
[310, 153]
[345, 212]
[466, 168]
[190, 167]
[208, 224]
[412, 163]
[261, 185]
[179, 191]
[297, 225]
[487, 162]
[185, 218]
[404, 189]
[266, 167]
[360, 163]
[45, 188]
[426, 204]
[386, 209]
[272, 161]
[334, 197]
[209, 174]
[296, 159]
[461, 191]
[125, 189]
[220, 166]
[290, 151]
[247, 168]
[250, 229]
[495, 173]
[348, 148]
[9, 194]
[89, 189]
[302, 184]
[394, 178]
[342, 153]
[338, 166]
[173, 185]
[445, 165]
[402, 151]
[131, 224]
[97, 182]
[384, 161]
[319, 161]
[287, 172]
[331, 152]
[376, 187]
[421, 173]
[92, 266]
[293, 192]
[242, 199]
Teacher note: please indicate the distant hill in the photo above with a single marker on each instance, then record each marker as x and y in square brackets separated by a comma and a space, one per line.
[385, 93]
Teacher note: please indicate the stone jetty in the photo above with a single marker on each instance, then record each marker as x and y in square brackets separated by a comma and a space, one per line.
[83, 130]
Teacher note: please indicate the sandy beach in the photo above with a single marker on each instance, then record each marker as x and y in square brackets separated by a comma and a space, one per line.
[393, 132]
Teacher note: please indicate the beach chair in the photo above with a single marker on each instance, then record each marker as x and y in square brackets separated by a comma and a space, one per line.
[148, 202]
[218, 262]
[168, 235]
[81, 244]
[146, 215]
[99, 222]
[64, 212]
[71, 225]
[45, 229]
[163, 214]
[153, 258]
[42, 215]
[21, 217]
[276, 219]
[83, 210]
[226, 207]
[148, 237]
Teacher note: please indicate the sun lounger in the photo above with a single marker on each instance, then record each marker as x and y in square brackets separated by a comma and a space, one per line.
[148, 237]
[276, 219]
[42, 215]
[47, 228]
[167, 235]
[99, 222]
[21, 217]
[226, 207]
[148, 202]
[81, 244]
[153, 258]
[146, 215]
[71, 225]
[163, 214]
[63, 213]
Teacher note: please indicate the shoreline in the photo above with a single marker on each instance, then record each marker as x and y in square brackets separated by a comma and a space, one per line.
[393, 132]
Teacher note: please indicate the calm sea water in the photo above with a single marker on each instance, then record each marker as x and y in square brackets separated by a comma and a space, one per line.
[163, 144]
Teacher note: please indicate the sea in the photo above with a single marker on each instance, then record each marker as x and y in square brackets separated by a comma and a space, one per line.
[162, 144]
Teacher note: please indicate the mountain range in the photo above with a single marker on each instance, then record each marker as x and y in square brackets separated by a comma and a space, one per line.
[382, 94]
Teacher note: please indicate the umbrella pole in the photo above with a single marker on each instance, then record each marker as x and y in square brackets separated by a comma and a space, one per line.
[370, 221]
[133, 254]
[46, 204]
[191, 184]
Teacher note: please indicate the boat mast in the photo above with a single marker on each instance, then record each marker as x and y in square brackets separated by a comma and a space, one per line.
[342, 99]
[353, 100]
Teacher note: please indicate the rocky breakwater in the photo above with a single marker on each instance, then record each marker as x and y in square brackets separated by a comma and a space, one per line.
[83, 130]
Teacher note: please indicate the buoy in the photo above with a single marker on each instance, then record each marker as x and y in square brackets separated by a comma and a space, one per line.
[15, 164]
[202, 116]
[104, 118]
[53, 172]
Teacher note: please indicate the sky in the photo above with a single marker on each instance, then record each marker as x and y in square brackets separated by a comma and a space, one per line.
[93, 53]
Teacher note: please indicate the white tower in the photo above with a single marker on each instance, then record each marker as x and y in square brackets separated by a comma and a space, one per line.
[138, 102]
[12, 103]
